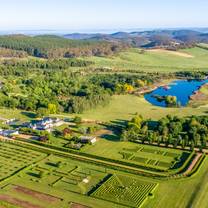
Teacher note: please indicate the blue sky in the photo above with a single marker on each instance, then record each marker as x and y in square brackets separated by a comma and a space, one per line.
[77, 15]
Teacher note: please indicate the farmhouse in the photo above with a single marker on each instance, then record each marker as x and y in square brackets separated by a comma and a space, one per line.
[10, 121]
[45, 124]
[9, 133]
[87, 139]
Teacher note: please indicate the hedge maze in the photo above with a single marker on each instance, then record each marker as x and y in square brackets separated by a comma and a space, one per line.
[125, 190]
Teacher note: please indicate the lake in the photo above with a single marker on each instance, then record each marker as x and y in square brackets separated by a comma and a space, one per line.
[182, 89]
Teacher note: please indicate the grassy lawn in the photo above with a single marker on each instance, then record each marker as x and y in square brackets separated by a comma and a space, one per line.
[155, 61]
[17, 114]
[125, 107]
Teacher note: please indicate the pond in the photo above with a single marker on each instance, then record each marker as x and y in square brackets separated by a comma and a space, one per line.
[182, 89]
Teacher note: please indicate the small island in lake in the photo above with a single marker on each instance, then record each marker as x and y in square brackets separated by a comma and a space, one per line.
[170, 101]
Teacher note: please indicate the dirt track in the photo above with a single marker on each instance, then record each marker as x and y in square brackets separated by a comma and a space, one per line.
[18, 202]
[36, 194]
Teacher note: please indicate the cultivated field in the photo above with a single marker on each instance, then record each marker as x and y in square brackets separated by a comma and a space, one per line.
[14, 158]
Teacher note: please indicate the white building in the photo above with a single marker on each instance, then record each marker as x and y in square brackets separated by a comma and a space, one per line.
[9, 133]
[88, 139]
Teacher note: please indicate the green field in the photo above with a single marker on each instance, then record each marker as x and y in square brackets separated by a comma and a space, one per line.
[155, 61]
[13, 159]
[55, 181]
[121, 107]
[125, 107]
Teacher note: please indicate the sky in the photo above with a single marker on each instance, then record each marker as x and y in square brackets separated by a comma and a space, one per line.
[92, 15]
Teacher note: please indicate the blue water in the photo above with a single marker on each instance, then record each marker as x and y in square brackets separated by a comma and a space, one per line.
[182, 89]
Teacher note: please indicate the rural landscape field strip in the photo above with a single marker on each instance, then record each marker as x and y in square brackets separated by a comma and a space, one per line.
[104, 161]
[92, 160]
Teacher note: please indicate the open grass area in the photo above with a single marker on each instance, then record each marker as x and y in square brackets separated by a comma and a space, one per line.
[6, 113]
[125, 107]
[121, 107]
[155, 60]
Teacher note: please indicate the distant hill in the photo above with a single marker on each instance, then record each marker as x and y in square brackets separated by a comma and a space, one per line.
[99, 44]
[150, 38]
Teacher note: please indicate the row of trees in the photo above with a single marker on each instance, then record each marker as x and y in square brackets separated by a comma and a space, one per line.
[170, 130]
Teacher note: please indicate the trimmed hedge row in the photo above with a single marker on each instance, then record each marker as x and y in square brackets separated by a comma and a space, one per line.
[185, 164]
[197, 166]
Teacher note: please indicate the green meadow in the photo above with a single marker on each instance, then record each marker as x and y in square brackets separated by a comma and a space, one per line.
[126, 106]
[161, 60]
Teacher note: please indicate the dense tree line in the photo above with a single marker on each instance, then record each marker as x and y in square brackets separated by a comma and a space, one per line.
[46, 46]
[47, 64]
[192, 74]
[171, 130]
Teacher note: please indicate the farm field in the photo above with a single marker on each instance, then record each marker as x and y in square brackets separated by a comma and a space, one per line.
[152, 61]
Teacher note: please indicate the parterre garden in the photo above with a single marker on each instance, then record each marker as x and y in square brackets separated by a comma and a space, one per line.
[153, 157]
[63, 174]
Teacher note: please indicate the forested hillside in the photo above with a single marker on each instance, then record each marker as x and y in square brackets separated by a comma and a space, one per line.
[48, 46]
